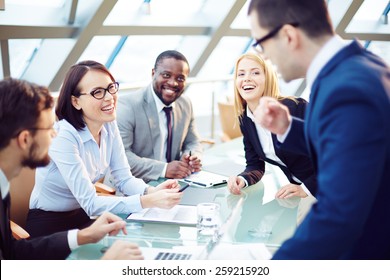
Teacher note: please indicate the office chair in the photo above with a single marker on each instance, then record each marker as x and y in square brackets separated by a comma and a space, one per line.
[20, 190]
[229, 124]
[18, 232]
[102, 189]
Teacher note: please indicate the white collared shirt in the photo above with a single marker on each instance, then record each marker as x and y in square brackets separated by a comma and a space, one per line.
[77, 161]
[265, 138]
[163, 125]
[163, 129]
[326, 53]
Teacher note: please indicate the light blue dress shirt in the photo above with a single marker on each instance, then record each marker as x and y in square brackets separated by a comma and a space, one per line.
[77, 162]
[4, 185]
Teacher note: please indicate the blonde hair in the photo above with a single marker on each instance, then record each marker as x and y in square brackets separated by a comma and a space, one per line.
[271, 84]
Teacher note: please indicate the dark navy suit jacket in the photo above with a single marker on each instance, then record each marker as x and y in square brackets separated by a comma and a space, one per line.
[296, 164]
[50, 247]
[347, 134]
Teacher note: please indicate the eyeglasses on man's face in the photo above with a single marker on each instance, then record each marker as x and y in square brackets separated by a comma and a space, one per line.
[100, 93]
[257, 45]
[50, 129]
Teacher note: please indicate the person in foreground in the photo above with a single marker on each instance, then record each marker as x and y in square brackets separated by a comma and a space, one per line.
[87, 147]
[346, 129]
[254, 78]
[154, 146]
[26, 131]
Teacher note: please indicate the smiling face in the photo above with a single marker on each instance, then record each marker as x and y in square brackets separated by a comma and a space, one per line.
[250, 80]
[169, 79]
[95, 112]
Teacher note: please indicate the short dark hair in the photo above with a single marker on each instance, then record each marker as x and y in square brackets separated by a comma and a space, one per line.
[21, 103]
[64, 108]
[312, 15]
[170, 54]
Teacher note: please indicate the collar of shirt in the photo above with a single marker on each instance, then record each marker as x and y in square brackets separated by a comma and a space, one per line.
[159, 105]
[86, 135]
[264, 132]
[4, 185]
[326, 53]
[250, 114]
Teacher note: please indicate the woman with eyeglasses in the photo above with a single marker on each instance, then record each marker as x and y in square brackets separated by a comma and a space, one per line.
[253, 79]
[88, 146]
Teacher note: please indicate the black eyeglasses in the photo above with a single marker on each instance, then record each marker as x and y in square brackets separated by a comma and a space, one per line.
[257, 45]
[100, 93]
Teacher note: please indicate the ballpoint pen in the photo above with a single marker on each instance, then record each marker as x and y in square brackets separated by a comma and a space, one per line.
[186, 186]
[195, 183]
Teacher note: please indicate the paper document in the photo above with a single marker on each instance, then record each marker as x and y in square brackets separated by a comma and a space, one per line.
[179, 214]
[206, 179]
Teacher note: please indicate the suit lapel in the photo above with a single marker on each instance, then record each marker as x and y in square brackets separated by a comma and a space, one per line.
[181, 115]
[153, 119]
[253, 136]
[309, 110]
[177, 130]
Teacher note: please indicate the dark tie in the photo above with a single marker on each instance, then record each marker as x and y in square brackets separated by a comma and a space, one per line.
[168, 113]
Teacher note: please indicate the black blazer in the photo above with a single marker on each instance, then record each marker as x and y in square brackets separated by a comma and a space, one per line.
[52, 247]
[296, 164]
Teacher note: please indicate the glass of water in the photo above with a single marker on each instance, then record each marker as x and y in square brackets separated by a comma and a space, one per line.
[208, 218]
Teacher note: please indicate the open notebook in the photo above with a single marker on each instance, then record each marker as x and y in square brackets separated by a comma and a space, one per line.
[214, 249]
[205, 179]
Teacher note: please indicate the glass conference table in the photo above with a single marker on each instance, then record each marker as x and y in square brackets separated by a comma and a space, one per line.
[261, 218]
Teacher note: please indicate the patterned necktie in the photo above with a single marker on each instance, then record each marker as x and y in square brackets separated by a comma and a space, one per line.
[168, 113]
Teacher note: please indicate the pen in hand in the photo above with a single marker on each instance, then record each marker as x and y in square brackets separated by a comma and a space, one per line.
[183, 188]
[189, 159]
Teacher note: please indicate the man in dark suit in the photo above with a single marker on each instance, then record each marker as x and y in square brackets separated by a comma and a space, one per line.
[26, 131]
[346, 129]
[143, 122]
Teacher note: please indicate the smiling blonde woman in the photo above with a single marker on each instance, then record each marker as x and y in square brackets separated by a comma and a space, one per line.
[253, 79]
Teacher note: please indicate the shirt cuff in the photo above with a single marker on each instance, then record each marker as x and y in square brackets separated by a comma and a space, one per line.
[164, 170]
[145, 191]
[282, 137]
[72, 239]
[306, 190]
[245, 181]
[135, 201]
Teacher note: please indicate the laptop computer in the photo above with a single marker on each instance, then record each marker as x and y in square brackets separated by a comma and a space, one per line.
[213, 249]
